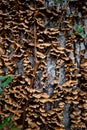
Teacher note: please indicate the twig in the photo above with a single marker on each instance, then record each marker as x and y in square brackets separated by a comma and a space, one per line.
[36, 64]
[35, 44]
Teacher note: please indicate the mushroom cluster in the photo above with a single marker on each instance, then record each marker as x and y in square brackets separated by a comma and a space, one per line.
[40, 47]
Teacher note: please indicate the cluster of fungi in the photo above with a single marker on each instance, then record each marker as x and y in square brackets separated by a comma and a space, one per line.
[37, 43]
